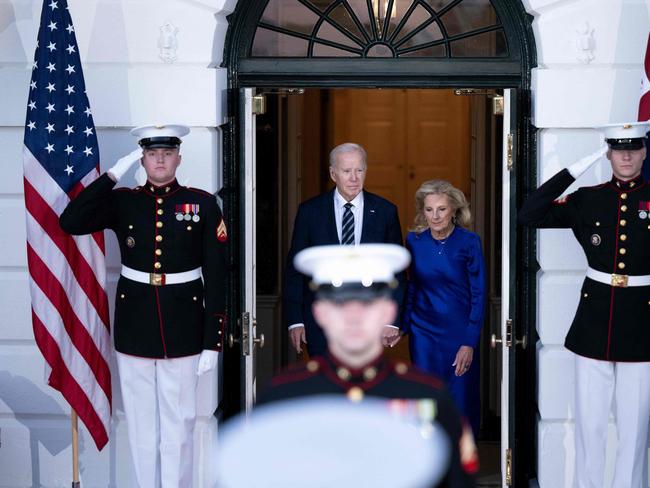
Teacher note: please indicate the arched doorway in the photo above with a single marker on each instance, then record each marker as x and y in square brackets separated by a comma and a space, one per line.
[274, 45]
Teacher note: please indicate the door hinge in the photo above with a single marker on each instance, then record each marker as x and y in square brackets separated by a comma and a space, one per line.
[497, 105]
[510, 150]
[509, 466]
[259, 104]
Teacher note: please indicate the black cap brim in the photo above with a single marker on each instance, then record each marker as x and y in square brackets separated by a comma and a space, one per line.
[631, 144]
[354, 291]
[160, 142]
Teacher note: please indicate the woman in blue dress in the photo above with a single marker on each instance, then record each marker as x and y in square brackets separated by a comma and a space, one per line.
[445, 300]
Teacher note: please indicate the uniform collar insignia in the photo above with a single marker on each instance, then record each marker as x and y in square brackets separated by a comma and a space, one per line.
[627, 185]
[162, 190]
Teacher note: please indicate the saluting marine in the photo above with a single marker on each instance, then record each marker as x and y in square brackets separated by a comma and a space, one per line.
[170, 299]
[354, 301]
[610, 333]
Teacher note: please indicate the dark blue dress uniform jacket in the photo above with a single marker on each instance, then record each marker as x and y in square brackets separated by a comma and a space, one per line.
[315, 225]
[165, 321]
[609, 221]
[383, 379]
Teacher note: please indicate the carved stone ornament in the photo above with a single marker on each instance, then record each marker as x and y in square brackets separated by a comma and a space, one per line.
[585, 43]
[167, 42]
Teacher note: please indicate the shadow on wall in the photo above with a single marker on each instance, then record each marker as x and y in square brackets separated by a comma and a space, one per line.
[10, 16]
[40, 414]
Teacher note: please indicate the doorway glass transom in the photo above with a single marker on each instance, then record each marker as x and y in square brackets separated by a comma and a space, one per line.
[380, 29]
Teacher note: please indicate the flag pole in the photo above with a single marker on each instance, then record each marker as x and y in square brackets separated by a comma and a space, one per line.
[75, 450]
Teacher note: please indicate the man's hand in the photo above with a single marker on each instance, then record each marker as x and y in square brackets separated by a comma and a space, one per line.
[297, 337]
[390, 336]
[207, 361]
[124, 164]
[463, 360]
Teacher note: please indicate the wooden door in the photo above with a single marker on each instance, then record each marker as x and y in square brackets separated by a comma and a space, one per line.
[410, 135]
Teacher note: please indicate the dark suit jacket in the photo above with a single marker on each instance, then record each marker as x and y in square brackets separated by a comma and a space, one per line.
[315, 226]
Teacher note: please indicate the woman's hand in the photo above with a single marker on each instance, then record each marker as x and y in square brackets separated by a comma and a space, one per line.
[463, 360]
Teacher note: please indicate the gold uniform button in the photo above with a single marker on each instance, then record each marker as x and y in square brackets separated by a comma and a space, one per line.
[401, 368]
[312, 366]
[623, 222]
[623, 208]
[219, 332]
[355, 394]
[195, 298]
[624, 196]
[122, 295]
[585, 295]
[158, 238]
[621, 265]
[622, 250]
[158, 252]
[343, 374]
[159, 224]
[597, 224]
[369, 374]
[189, 227]
[623, 237]
[218, 344]
[157, 265]
[160, 211]
[159, 201]
[130, 227]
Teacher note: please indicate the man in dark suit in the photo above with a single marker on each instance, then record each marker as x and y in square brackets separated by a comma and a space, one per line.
[347, 215]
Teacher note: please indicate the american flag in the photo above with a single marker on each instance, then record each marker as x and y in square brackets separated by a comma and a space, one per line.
[67, 274]
[644, 103]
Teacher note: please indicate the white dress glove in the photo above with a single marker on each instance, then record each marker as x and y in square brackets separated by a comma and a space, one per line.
[207, 361]
[124, 164]
[579, 167]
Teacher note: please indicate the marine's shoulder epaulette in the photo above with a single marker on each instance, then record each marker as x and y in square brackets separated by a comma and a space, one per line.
[296, 372]
[413, 374]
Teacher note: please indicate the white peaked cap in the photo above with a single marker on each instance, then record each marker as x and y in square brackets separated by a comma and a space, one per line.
[327, 441]
[366, 263]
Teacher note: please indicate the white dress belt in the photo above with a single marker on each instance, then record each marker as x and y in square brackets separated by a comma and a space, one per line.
[158, 279]
[618, 280]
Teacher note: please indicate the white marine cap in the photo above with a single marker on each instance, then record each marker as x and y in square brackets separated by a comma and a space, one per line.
[348, 272]
[160, 135]
[327, 441]
[629, 135]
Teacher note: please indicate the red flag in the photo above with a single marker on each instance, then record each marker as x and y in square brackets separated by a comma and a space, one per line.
[644, 102]
[67, 274]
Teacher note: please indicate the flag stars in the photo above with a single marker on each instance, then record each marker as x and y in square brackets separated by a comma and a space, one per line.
[35, 65]
[70, 69]
[50, 128]
[53, 5]
[50, 67]
[52, 26]
[88, 112]
[50, 87]
[31, 105]
[32, 125]
[68, 150]
[70, 90]
[69, 130]
[70, 49]
[51, 46]
[32, 85]
[49, 148]
[70, 29]
[50, 108]
[69, 109]
[88, 151]
[88, 131]
[69, 169]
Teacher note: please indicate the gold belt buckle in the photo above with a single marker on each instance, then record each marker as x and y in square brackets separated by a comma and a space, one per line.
[619, 281]
[156, 279]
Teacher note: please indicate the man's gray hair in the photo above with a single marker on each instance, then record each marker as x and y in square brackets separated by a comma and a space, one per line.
[348, 147]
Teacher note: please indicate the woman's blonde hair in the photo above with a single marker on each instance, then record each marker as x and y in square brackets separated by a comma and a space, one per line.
[462, 215]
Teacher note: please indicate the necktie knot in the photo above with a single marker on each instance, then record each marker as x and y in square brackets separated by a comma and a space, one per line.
[348, 206]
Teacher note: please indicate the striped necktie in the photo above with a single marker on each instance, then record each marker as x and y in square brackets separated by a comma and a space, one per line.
[347, 225]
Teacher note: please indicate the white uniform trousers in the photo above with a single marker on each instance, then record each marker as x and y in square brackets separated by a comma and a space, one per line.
[159, 398]
[598, 383]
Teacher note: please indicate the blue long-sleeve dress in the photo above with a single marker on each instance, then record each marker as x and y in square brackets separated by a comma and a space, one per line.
[444, 310]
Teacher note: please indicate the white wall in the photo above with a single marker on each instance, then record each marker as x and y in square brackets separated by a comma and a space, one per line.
[590, 55]
[128, 84]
